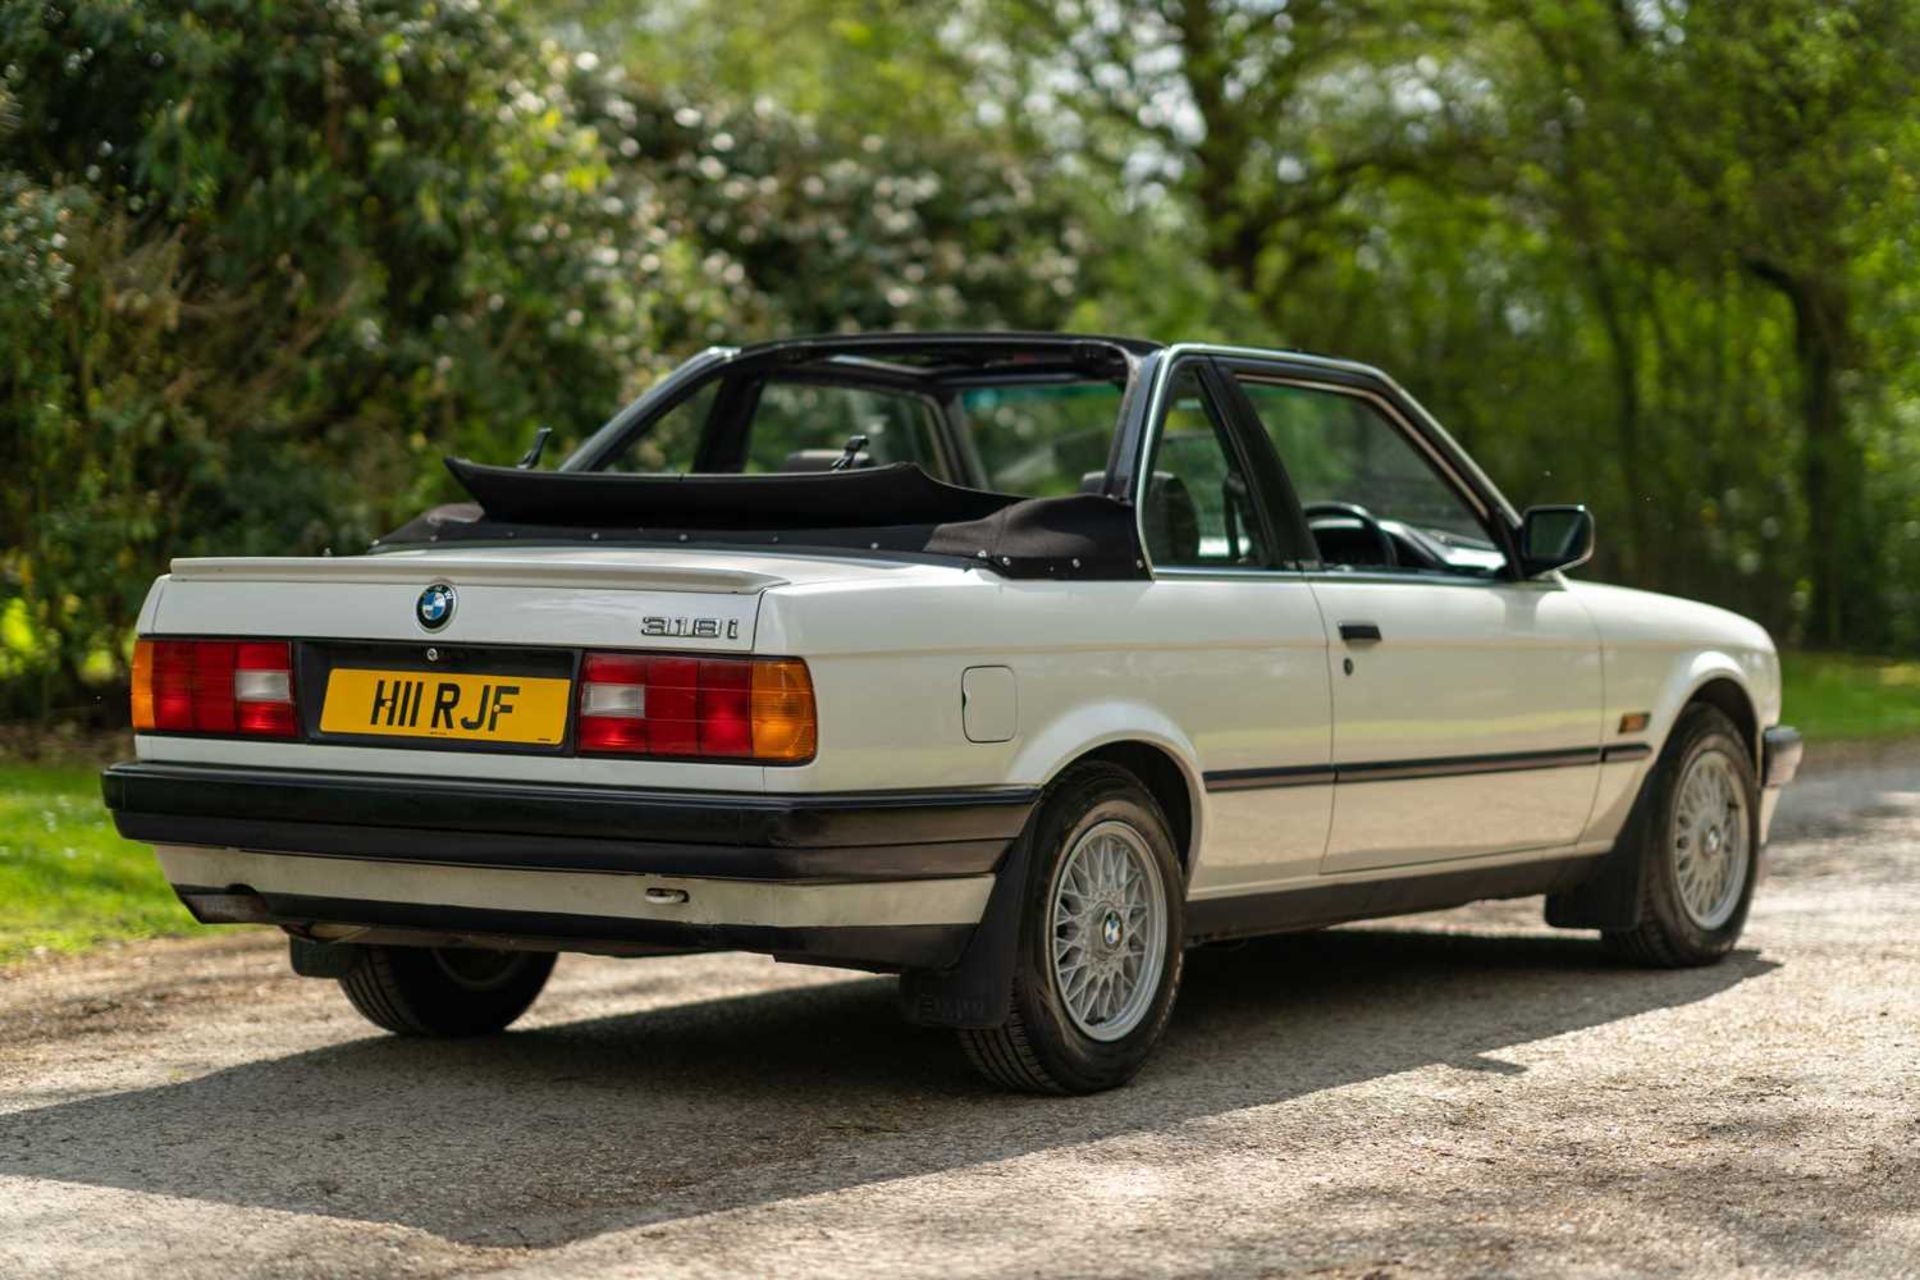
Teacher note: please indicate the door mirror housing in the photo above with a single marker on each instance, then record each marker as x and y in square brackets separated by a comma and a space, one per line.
[1554, 538]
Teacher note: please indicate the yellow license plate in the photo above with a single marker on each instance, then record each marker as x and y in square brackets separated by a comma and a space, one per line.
[418, 704]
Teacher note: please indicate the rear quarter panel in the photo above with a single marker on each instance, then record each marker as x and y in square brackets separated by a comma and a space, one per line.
[1190, 667]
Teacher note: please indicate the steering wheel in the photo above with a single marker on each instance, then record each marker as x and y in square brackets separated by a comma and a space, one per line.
[1361, 516]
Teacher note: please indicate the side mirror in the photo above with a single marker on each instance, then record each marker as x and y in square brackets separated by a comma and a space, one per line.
[1554, 538]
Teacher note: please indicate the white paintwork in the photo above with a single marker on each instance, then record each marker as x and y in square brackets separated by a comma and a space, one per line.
[532, 567]
[585, 771]
[1221, 672]
[1464, 669]
[990, 704]
[585, 893]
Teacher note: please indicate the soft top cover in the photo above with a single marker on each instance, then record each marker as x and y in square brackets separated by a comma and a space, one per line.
[896, 509]
[898, 494]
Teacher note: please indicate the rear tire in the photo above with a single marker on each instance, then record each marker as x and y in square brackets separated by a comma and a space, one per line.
[445, 992]
[1100, 945]
[1699, 842]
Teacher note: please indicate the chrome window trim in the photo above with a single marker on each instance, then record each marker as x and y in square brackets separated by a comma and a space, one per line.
[1451, 474]
[1417, 579]
[1227, 573]
[1163, 376]
[1197, 573]
[1427, 421]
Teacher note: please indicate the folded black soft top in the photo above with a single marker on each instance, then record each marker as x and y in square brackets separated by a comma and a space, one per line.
[898, 494]
[896, 509]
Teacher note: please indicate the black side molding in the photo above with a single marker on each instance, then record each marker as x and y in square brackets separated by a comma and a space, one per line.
[1403, 770]
[1312, 775]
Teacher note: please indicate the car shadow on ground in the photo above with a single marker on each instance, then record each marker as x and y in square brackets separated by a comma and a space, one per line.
[545, 1136]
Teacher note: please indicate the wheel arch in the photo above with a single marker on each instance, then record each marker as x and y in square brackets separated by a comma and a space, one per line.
[1717, 679]
[1139, 738]
[974, 993]
[1160, 773]
[1728, 695]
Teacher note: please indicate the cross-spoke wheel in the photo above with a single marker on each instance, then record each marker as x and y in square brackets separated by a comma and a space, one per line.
[1100, 941]
[1709, 839]
[1109, 930]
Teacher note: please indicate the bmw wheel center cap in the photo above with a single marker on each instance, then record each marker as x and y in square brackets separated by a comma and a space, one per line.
[434, 609]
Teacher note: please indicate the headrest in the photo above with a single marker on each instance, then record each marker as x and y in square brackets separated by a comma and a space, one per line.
[1170, 520]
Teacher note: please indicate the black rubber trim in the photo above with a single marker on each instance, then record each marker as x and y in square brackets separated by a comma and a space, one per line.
[866, 946]
[1781, 748]
[1212, 919]
[933, 860]
[1454, 766]
[1622, 751]
[1247, 779]
[1400, 770]
[883, 835]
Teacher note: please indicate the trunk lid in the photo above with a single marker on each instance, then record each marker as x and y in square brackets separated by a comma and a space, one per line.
[492, 672]
[568, 597]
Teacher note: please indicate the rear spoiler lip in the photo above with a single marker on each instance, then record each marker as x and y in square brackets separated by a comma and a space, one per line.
[422, 567]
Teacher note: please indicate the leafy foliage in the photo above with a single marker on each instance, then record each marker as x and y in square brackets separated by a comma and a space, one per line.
[1638, 255]
[261, 265]
[267, 263]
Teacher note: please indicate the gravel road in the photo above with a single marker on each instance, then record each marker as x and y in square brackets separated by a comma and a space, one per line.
[1460, 1093]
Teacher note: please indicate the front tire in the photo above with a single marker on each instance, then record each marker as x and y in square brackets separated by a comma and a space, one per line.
[445, 991]
[1699, 841]
[1100, 945]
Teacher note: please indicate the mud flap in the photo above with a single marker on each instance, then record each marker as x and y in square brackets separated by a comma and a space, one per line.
[323, 959]
[1610, 900]
[1611, 897]
[976, 993]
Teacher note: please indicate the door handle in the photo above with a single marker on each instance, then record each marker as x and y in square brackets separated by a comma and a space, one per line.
[1356, 632]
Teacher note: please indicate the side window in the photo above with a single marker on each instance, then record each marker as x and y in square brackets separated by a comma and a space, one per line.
[1371, 498]
[1198, 510]
[799, 427]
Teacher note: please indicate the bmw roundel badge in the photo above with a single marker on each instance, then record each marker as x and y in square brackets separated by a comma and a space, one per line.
[434, 608]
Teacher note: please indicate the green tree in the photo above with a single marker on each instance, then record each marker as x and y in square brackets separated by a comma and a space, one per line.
[266, 264]
[1750, 141]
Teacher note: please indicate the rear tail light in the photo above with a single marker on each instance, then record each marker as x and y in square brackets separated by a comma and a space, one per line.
[697, 708]
[214, 686]
[747, 709]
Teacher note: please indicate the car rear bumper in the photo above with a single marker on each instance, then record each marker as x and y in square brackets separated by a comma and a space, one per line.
[884, 879]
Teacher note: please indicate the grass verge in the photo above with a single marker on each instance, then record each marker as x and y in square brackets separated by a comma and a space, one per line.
[1831, 696]
[67, 880]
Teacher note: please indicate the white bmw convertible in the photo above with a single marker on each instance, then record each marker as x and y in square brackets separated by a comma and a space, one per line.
[1014, 664]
